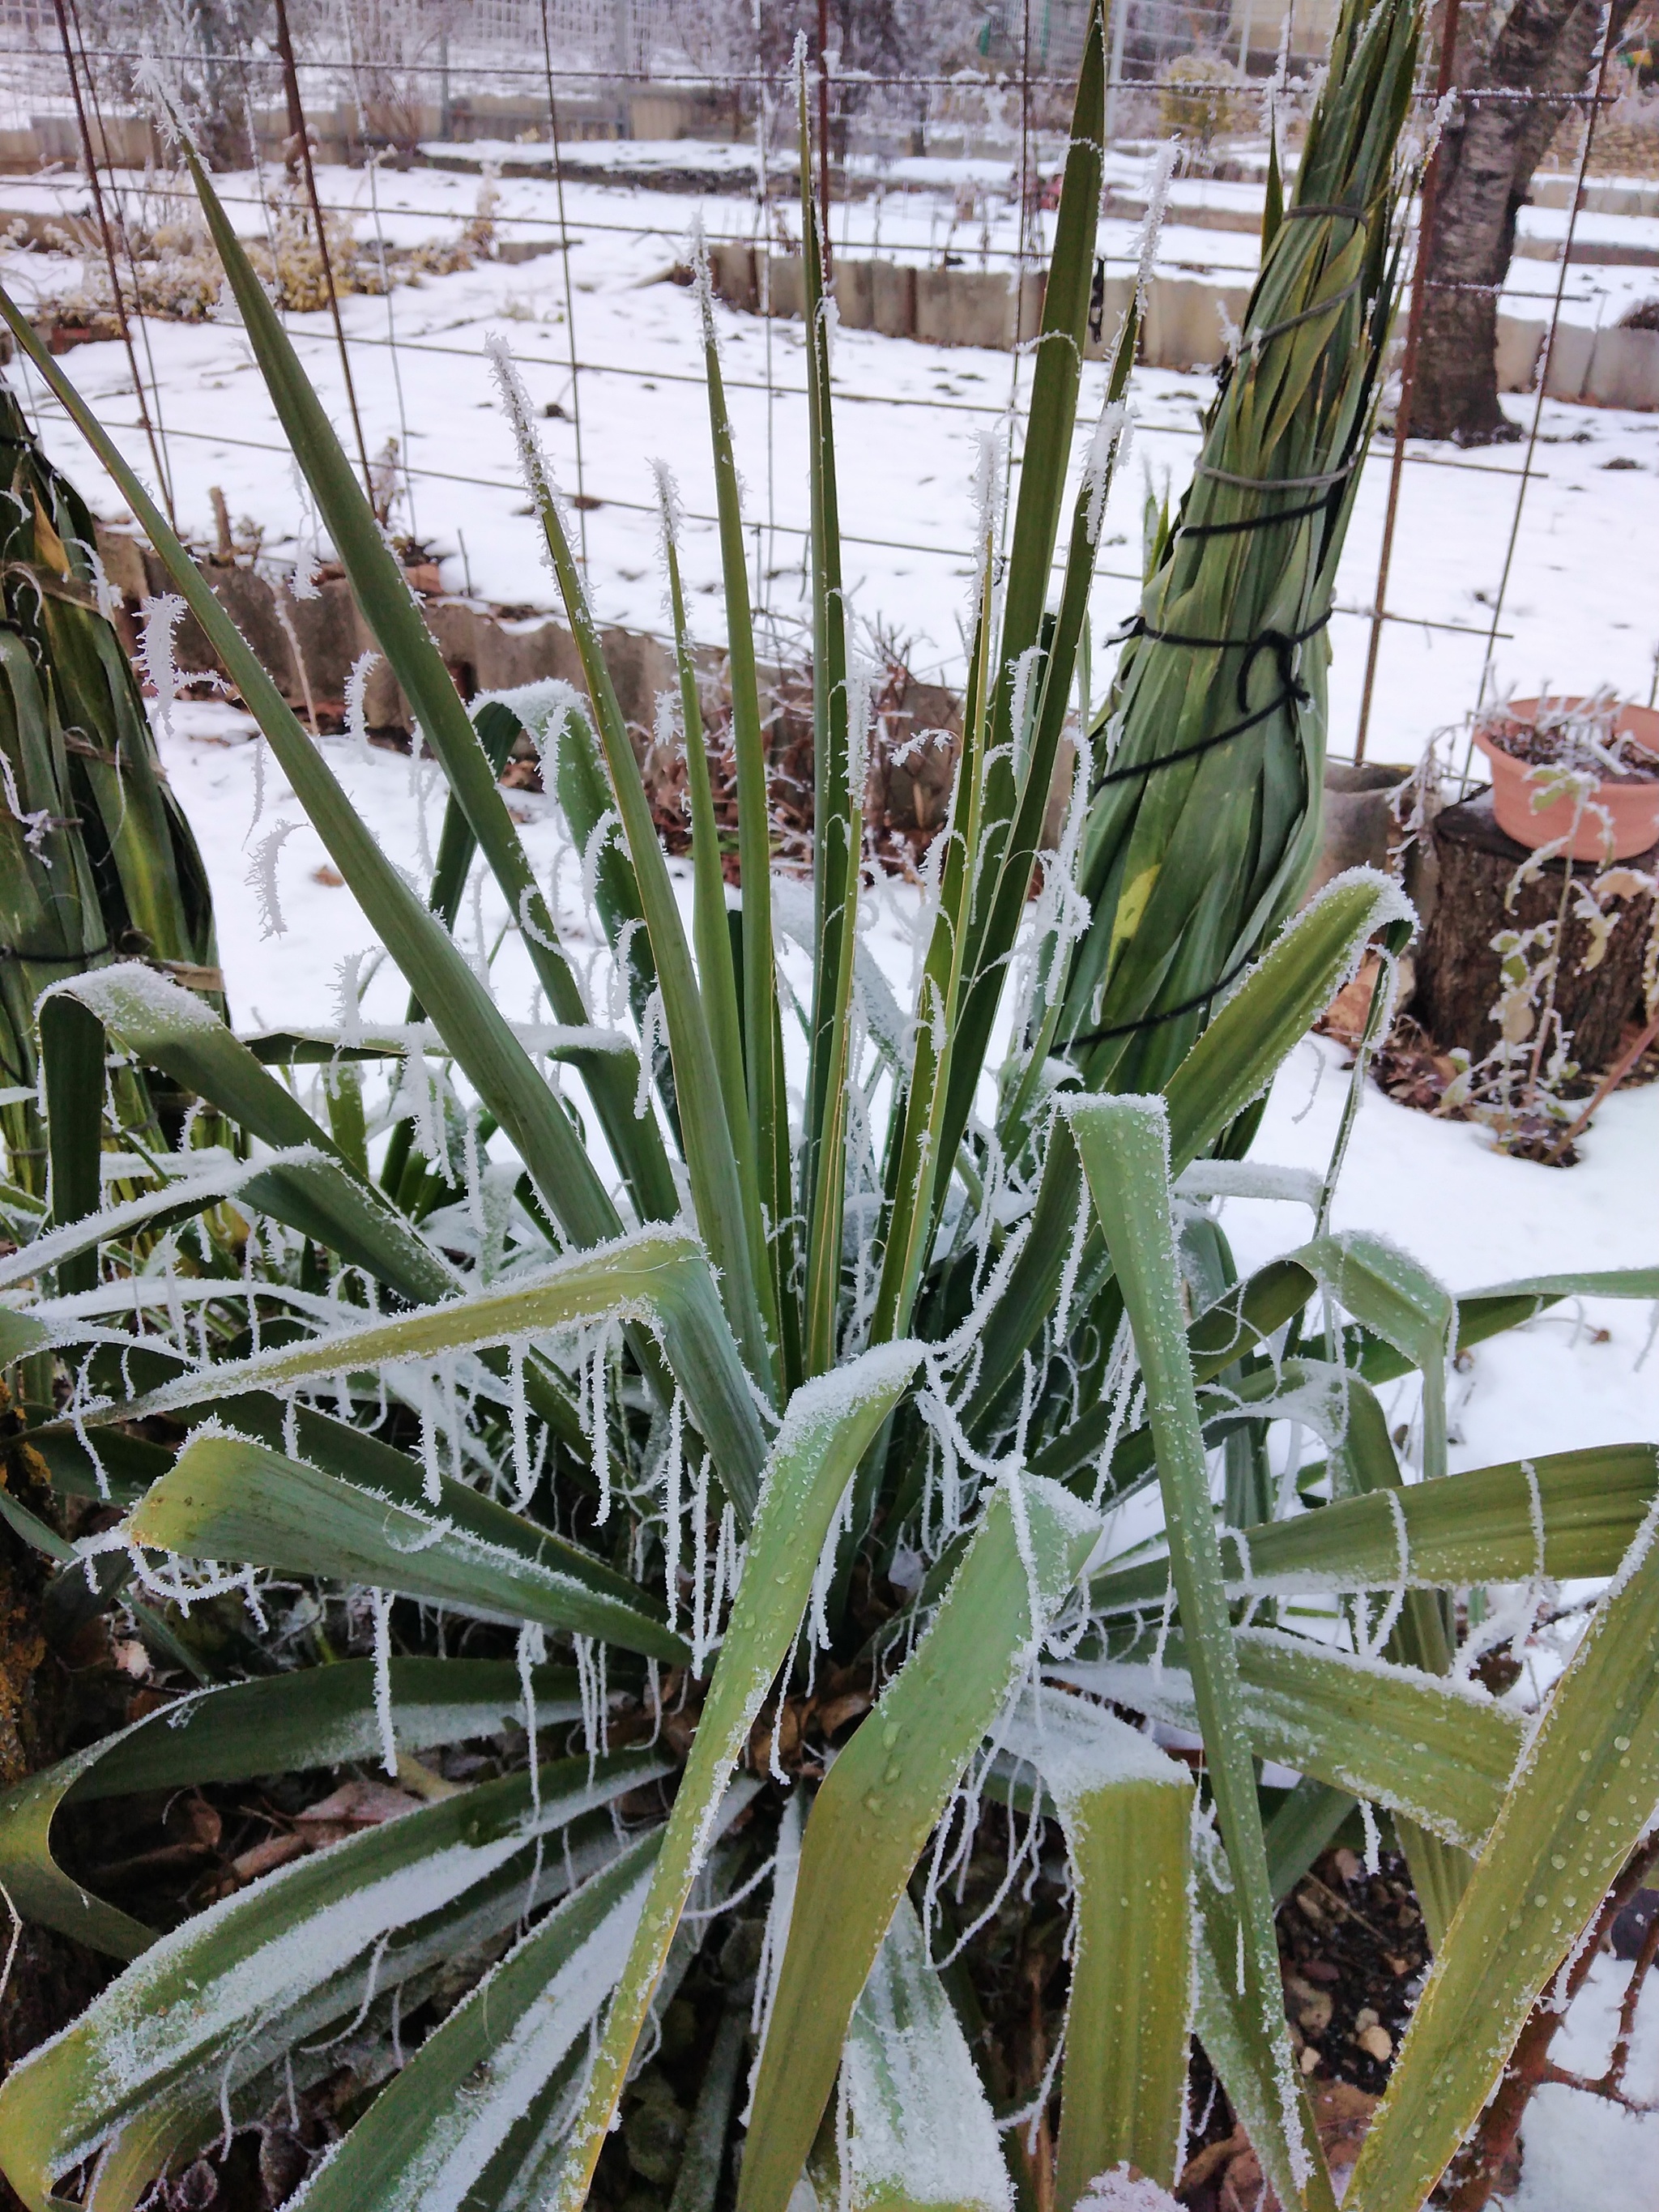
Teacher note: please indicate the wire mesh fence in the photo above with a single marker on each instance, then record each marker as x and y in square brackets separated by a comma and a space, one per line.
[964, 106]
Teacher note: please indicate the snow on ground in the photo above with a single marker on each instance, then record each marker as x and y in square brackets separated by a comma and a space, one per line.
[1580, 606]
[1576, 1376]
[1581, 609]
[1581, 2150]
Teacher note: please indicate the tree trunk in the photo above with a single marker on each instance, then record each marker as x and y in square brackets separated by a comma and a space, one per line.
[1458, 974]
[1488, 152]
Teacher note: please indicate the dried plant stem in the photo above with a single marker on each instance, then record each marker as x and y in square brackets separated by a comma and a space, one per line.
[1609, 1083]
[1529, 2065]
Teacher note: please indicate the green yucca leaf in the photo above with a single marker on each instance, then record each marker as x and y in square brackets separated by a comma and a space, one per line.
[1237, 1322]
[497, 728]
[322, 1716]
[72, 1061]
[716, 1197]
[393, 615]
[658, 1276]
[1019, 772]
[169, 1028]
[20, 1336]
[915, 1169]
[325, 1715]
[199, 1994]
[1583, 1797]
[837, 854]
[1409, 1309]
[1441, 1754]
[95, 852]
[230, 1498]
[1392, 1294]
[432, 2132]
[1124, 1147]
[873, 1815]
[1126, 1808]
[826, 1430]
[311, 1192]
[761, 1030]
[1563, 1515]
[711, 932]
[703, 2159]
[482, 1040]
[346, 2010]
[919, 2130]
[839, 740]
[1308, 1821]
[1231, 1065]
[1246, 2052]
[1482, 1313]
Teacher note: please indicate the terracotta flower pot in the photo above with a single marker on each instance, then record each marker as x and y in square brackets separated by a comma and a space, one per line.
[1631, 822]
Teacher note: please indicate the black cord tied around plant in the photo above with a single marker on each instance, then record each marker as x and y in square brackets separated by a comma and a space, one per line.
[1203, 1001]
[1328, 485]
[22, 953]
[1292, 691]
[1282, 644]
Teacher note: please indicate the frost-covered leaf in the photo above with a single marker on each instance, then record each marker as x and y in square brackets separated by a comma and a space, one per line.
[827, 1426]
[320, 1717]
[197, 1998]
[873, 1815]
[1440, 1751]
[1584, 1794]
[919, 2132]
[1262, 2092]
[431, 2133]
[1126, 1808]
[228, 1498]
[1393, 1294]
[1124, 1144]
[658, 1276]
[1564, 1514]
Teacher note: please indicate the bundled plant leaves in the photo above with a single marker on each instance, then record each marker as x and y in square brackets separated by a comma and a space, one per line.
[770, 1402]
[97, 861]
[1209, 755]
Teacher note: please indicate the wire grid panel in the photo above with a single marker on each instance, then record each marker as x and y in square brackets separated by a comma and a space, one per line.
[348, 61]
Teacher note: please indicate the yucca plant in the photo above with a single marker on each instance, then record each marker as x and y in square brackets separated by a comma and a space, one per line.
[1209, 754]
[97, 861]
[676, 1421]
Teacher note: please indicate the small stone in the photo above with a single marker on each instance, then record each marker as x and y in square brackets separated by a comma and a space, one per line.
[1377, 2043]
[1309, 2059]
[1365, 2017]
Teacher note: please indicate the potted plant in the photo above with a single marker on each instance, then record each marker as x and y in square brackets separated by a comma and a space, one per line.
[1578, 774]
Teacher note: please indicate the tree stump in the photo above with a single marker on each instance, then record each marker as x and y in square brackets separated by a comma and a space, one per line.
[1458, 978]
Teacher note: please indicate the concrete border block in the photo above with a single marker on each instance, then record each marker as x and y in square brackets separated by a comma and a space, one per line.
[1624, 370]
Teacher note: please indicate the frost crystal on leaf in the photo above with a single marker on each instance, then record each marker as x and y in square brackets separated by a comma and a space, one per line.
[262, 878]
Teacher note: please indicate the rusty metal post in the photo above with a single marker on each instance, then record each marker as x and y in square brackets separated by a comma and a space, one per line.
[296, 110]
[824, 135]
[1408, 375]
[163, 480]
